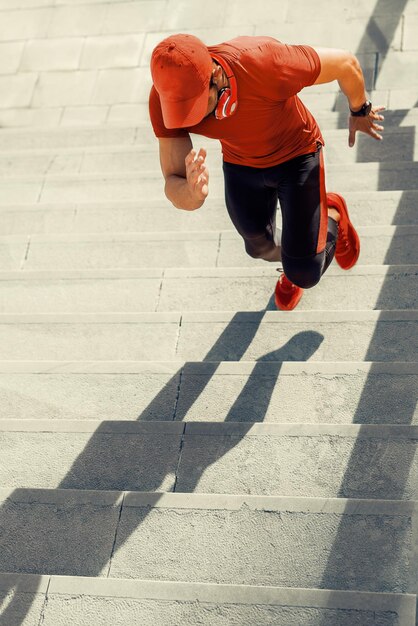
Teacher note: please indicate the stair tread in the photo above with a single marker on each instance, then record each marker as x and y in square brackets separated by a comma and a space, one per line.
[145, 601]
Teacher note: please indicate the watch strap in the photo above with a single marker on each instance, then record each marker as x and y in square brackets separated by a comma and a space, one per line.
[364, 111]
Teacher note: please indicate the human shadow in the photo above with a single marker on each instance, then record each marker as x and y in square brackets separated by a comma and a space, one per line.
[63, 538]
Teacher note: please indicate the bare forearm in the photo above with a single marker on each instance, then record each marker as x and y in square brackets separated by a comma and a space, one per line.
[351, 83]
[344, 67]
[178, 192]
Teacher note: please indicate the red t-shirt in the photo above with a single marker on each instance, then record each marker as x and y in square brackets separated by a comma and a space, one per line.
[271, 124]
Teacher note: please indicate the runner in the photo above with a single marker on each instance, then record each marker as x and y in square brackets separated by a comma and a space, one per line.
[244, 93]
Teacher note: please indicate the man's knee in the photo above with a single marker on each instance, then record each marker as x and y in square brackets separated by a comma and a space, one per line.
[306, 280]
[304, 272]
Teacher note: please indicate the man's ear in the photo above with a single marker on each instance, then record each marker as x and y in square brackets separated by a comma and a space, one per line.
[216, 73]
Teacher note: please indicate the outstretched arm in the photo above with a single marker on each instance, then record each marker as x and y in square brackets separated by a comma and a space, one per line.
[344, 67]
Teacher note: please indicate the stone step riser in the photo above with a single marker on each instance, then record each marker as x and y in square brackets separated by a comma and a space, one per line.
[250, 392]
[377, 208]
[106, 294]
[149, 185]
[122, 115]
[58, 598]
[64, 116]
[389, 246]
[399, 145]
[315, 336]
[315, 543]
[378, 246]
[29, 139]
[140, 130]
[304, 460]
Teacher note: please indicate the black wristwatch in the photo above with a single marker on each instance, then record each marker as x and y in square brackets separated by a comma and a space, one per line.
[364, 111]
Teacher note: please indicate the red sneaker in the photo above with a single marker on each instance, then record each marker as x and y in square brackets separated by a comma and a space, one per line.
[347, 249]
[287, 295]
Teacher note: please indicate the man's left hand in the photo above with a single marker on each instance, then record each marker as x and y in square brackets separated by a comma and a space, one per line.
[368, 125]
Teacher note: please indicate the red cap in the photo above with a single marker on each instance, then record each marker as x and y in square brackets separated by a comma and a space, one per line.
[181, 68]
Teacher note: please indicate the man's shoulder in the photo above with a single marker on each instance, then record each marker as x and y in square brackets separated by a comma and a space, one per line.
[245, 47]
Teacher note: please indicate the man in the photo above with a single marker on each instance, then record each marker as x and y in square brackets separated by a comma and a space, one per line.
[244, 93]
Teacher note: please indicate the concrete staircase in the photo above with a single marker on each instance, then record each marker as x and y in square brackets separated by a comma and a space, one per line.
[173, 449]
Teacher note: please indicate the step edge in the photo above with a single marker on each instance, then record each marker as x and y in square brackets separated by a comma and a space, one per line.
[212, 429]
[214, 368]
[248, 317]
[172, 273]
[138, 589]
[213, 501]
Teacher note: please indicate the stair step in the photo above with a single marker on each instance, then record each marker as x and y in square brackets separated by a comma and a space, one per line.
[364, 545]
[324, 461]
[147, 602]
[364, 287]
[87, 291]
[73, 137]
[379, 244]
[243, 289]
[145, 185]
[321, 335]
[376, 208]
[245, 391]
[396, 245]
[401, 144]
[112, 251]
[219, 336]
[44, 138]
[322, 101]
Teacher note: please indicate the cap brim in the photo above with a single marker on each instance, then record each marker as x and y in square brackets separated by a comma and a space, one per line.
[186, 112]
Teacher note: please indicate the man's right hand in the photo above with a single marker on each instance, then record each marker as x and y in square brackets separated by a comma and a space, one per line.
[369, 125]
[197, 174]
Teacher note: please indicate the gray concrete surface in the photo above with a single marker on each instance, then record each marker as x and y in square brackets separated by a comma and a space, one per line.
[72, 293]
[326, 392]
[220, 536]
[142, 458]
[374, 208]
[301, 336]
[150, 393]
[228, 289]
[140, 337]
[89, 292]
[131, 251]
[334, 393]
[215, 336]
[380, 245]
[60, 535]
[390, 245]
[148, 184]
[399, 145]
[236, 540]
[304, 460]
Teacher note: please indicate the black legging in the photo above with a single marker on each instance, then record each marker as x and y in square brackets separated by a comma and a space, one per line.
[308, 234]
